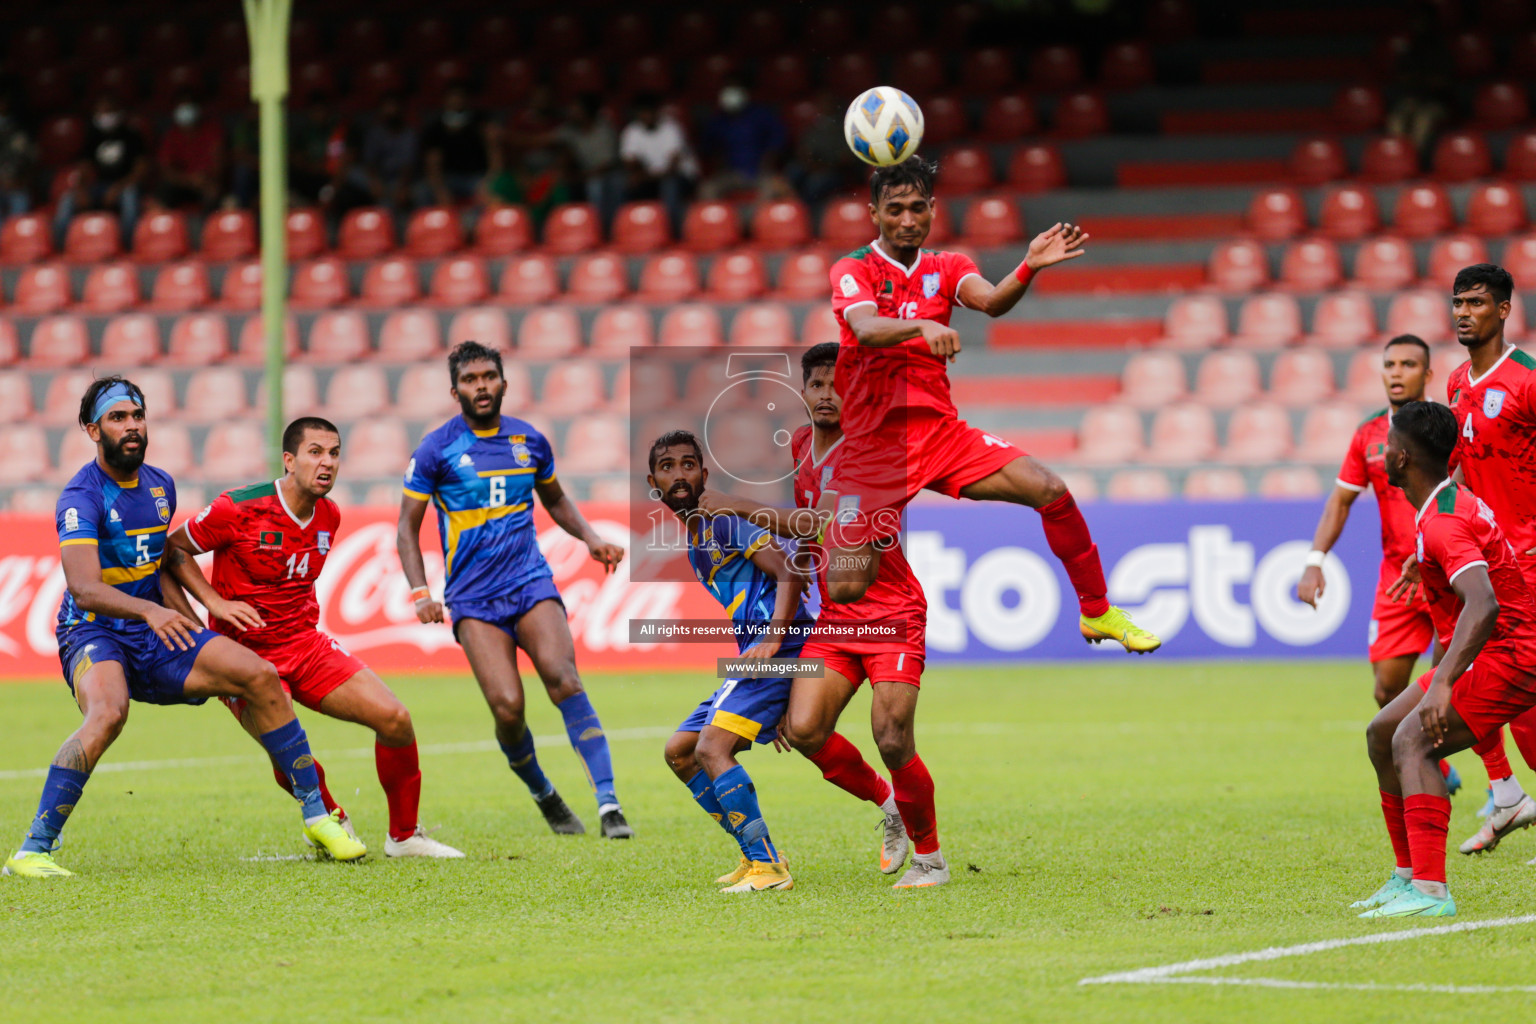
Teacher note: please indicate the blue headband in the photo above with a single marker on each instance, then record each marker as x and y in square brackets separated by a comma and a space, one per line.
[110, 397]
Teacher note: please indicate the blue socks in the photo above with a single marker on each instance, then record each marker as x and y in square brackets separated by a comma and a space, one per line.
[586, 734]
[738, 797]
[289, 747]
[704, 795]
[61, 792]
[521, 759]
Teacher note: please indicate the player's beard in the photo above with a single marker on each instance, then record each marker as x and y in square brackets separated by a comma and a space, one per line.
[467, 406]
[124, 462]
[681, 502]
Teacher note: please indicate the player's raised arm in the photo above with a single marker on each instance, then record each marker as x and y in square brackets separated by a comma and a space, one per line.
[569, 518]
[1057, 244]
[795, 523]
[1329, 526]
[771, 558]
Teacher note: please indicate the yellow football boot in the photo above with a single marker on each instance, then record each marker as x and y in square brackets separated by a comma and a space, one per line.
[31, 864]
[332, 839]
[762, 876]
[737, 874]
[1117, 626]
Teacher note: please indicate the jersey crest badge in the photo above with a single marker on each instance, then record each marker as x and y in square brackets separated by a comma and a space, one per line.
[930, 285]
[826, 476]
[114, 517]
[1493, 402]
[269, 539]
[521, 454]
[323, 542]
[465, 460]
[849, 286]
[163, 509]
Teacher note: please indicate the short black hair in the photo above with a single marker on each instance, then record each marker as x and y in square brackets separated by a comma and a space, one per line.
[293, 434]
[100, 384]
[1495, 278]
[471, 352]
[1410, 339]
[913, 172]
[670, 439]
[1430, 428]
[824, 354]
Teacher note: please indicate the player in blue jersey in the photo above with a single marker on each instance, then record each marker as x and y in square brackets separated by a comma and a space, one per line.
[743, 568]
[118, 640]
[481, 470]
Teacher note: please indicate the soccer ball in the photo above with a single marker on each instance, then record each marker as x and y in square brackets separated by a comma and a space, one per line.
[883, 126]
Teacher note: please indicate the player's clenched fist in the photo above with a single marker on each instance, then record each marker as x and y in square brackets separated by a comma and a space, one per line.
[428, 610]
[943, 341]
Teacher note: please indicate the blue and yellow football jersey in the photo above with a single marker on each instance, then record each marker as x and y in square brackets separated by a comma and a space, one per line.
[481, 483]
[720, 549]
[126, 523]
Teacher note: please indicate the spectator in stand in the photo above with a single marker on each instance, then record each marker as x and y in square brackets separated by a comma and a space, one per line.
[190, 158]
[823, 162]
[18, 158]
[309, 133]
[112, 172]
[244, 160]
[461, 151]
[539, 187]
[390, 152]
[594, 146]
[657, 161]
[745, 142]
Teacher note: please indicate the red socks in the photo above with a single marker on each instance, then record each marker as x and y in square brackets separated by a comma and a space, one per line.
[1491, 749]
[1524, 731]
[1067, 534]
[325, 794]
[914, 795]
[400, 775]
[1397, 827]
[1429, 821]
[842, 765]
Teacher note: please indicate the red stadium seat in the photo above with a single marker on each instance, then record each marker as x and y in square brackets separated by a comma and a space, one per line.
[845, 224]
[644, 386]
[1362, 381]
[1139, 485]
[1311, 265]
[1389, 159]
[10, 344]
[251, 343]
[1008, 118]
[1327, 429]
[1522, 58]
[1110, 435]
[669, 277]
[485, 324]
[312, 78]
[596, 444]
[803, 276]
[306, 234]
[1461, 156]
[366, 233]
[1426, 313]
[374, 81]
[510, 81]
[1214, 484]
[1520, 157]
[992, 221]
[60, 141]
[551, 332]
[1343, 320]
[338, 336]
[1228, 378]
[198, 339]
[75, 448]
[762, 323]
[1472, 54]
[1443, 360]
[788, 73]
[24, 454]
[217, 394]
[355, 392]
[1268, 320]
[1495, 209]
[229, 235]
[160, 237]
[15, 399]
[428, 37]
[761, 28]
[320, 283]
[160, 398]
[460, 281]
[41, 288]
[409, 336]
[1301, 377]
[61, 404]
[919, 72]
[1257, 435]
[92, 237]
[25, 239]
[572, 228]
[1423, 210]
[1127, 65]
[1499, 106]
[432, 232]
[781, 224]
[944, 120]
[1318, 160]
[580, 76]
[710, 226]
[132, 340]
[987, 71]
[526, 280]
[1359, 108]
[1290, 482]
[617, 329]
[966, 170]
[181, 286]
[1181, 433]
[1055, 68]
[1151, 380]
[1036, 168]
[1449, 254]
[572, 386]
[362, 39]
[241, 289]
[424, 394]
[1515, 326]
[33, 42]
[50, 88]
[233, 451]
[641, 227]
[820, 325]
[648, 73]
[1385, 263]
[736, 277]
[438, 76]
[502, 231]
[390, 282]
[1080, 114]
[110, 288]
[1239, 266]
[1277, 214]
[1195, 322]
[1349, 212]
[1520, 258]
[690, 324]
[850, 73]
[598, 278]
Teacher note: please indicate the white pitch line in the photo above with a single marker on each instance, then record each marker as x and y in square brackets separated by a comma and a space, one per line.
[1169, 972]
[1365, 986]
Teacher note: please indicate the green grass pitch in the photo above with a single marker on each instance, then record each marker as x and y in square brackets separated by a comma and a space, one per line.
[1100, 819]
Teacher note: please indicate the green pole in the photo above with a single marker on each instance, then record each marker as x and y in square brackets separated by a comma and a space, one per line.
[266, 22]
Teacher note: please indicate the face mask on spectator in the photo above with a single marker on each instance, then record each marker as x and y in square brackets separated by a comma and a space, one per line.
[108, 120]
[185, 114]
[733, 98]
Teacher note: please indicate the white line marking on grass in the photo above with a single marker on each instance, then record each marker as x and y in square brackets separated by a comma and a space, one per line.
[1178, 973]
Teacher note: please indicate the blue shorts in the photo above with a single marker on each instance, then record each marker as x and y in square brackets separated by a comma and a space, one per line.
[155, 674]
[750, 708]
[504, 611]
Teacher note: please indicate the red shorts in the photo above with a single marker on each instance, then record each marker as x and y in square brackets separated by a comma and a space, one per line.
[1492, 693]
[310, 665]
[1398, 628]
[878, 474]
[878, 663]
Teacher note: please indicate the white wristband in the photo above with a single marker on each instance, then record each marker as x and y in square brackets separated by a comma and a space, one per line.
[1315, 558]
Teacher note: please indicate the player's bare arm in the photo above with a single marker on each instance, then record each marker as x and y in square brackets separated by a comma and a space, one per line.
[1329, 527]
[173, 596]
[408, 545]
[877, 331]
[181, 566]
[569, 518]
[794, 523]
[786, 599]
[82, 575]
[1057, 244]
[1479, 614]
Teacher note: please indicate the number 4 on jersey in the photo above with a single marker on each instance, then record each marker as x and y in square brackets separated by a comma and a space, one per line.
[1466, 428]
[298, 566]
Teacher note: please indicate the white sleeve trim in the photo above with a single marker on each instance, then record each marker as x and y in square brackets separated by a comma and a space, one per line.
[1464, 568]
[958, 300]
[1357, 488]
[186, 528]
[856, 305]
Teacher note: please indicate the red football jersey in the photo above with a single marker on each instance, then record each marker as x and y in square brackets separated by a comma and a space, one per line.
[896, 592]
[266, 558]
[883, 384]
[1456, 531]
[1365, 465]
[1497, 447]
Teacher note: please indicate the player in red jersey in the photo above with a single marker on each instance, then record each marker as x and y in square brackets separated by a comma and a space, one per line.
[270, 543]
[879, 637]
[893, 300]
[1485, 618]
